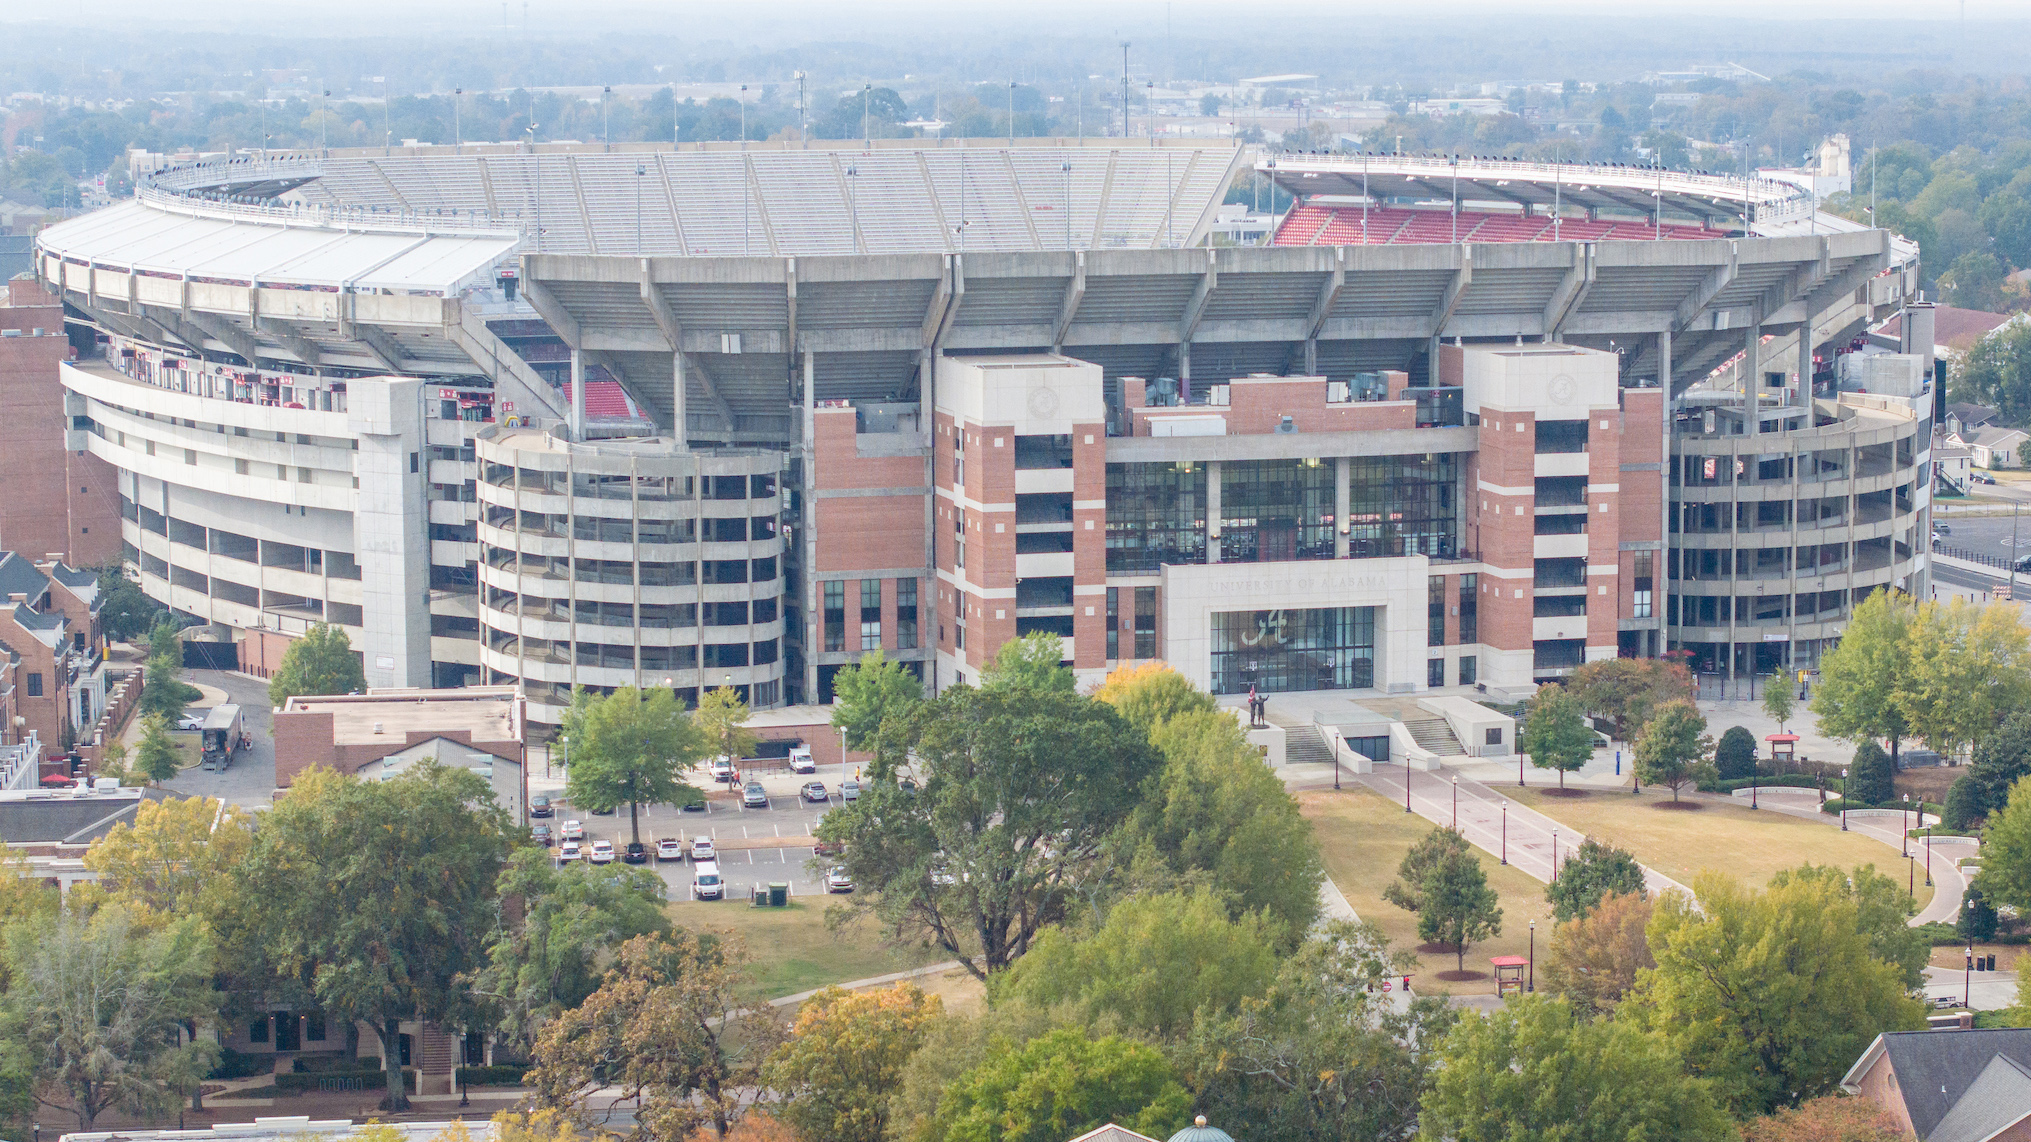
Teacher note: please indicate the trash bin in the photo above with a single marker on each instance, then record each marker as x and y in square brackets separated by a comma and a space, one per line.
[758, 897]
[1992, 961]
[779, 894]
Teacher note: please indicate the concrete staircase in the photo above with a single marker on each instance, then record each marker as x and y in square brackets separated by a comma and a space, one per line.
[1434, 734]
[1302, 743]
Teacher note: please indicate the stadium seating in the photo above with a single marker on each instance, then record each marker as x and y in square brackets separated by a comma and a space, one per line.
[1313, 225]
[605, 400]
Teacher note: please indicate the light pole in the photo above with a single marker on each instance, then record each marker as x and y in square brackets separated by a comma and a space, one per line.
[1968, 980]
[853, 199]
[1532, 985]
[538, 160]
[606, 119]
[1752, 786]
[1066, 167]
[1456, 804]
[1406, 785]
[1505, 832]
[743, 123]
[1928, 860]
[1519, 769]
[1844, 800]
[457, 134]
[1554, 854]
[1011, 111]
[1337, 742]
[640, 170]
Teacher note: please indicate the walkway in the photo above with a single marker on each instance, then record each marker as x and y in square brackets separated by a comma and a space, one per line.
[1950, 883]
[1511, 831]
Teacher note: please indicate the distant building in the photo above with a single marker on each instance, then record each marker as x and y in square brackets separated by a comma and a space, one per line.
[59, 503]
[1950, 1085]
[286, 1128]
[381, 732]
[49, 620]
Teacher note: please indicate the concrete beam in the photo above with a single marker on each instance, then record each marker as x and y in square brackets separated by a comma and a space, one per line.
[1572, 290]
[1463, 277]
[1195, 308]
[287, 336]
[1710, 287]
[382, 347]
[552, 311]
[1075, 292]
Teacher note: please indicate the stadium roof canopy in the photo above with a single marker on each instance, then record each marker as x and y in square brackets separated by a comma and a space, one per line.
[1717, 201]
[890, 197]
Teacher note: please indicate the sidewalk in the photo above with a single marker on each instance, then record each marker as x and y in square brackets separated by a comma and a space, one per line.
[1950, 884]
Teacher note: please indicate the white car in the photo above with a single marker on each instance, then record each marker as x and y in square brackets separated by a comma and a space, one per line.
[602, 852]
[669, 848]
[838, 881]
[571, 831]
[569, 851]
[191, 720]
[849, 791]
[701, 849]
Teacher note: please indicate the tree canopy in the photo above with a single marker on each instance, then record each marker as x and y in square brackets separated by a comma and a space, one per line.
[629, 748]
[1592, 871]
[1871, 781]
[1442, 881]
[869, 693]
[175, 857]
[1735, 754]
[1859, 680]
[1062, 1085]
[1674, 748]
[1629, 691]
[321, 661]
[1556, 734]
[1538, 1069]
[1595, 956]
[845, 1057]
[1966, 665]
[1032, 662]
[2000, 758]
[1148, 694]
[2005, 877]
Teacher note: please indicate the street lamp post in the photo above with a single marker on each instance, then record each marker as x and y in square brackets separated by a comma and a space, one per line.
[1406, 785]
[1968, 981]
[1928, 860]
[457, 135]
[1752, 787]
[1519, 769]
[1505, 832]
[606, 121]
[1456, 804]
[1532, 984]
[640, 170]
[1844, 800]
[1337, 742]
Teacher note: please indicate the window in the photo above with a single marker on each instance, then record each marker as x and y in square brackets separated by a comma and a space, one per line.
[313, 1027]
[1435, 611]
[1156, 514]
[727, 570]
[414, 463]
[35, 685]
[726, 614]
[1470, 670]
[1113, 623]
[1435, 672]
[763, 570]
[1641, 605]
[906, 614]
[1275, 510]
[1554, 436]
[1145, 622]
[1279, 650]
[1401, 505]
[958, 457]
[1043, 451]
[1470, 615]
[835, 614]
[870, 614]
[765, 611]
[257, 1031]
[959, 537]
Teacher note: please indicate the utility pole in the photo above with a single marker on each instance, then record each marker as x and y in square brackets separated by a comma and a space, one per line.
[803, 134]
[1124, 89]
[1011, 112]
[866, 116]
[457, 135]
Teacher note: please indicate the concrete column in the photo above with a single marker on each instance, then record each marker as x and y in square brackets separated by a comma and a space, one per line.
[1805, 363]
[1752, 380]
[1659, 599]
[1311, 356]
[577, 394]
[1185, 373]
[1212, 511]
[391, 530]
[1343, 505]
[680, 413]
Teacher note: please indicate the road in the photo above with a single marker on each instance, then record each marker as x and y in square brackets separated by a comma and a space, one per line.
[250, 782]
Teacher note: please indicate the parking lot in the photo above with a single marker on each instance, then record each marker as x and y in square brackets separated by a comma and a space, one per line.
[755, 846]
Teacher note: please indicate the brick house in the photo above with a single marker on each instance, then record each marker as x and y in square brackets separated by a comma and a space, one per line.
[1950, 1085]
[49, 620]
[381, 731]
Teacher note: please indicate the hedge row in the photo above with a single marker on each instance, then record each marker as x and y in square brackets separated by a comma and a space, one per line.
[1835, 805]
[500, 1074]
[372, 1079]
[1947, 936]
[1791, 780]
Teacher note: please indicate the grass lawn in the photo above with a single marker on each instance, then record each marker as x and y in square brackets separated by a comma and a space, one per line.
[792, 949]
[1749, 844]
[1364, 836]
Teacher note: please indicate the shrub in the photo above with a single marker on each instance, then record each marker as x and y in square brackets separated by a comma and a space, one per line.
[1963, 804]
[369, 1080]
[1787, 780]
[1735, 755]
[500, 1074]
[239, 1064]
[1870, 778]
[1977, 917]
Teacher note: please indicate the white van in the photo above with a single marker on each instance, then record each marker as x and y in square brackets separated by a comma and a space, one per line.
[706, 883]
[801, 760]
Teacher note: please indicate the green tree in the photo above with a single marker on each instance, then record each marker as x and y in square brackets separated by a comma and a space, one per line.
[628, 748]
[1062, 1085]
[1592, 871]
[1154, 963]
[1539, 1069]
[1032, 662]
[164, 693]
[1459, 907]
[1974, 281]
[155, 753]
[1882, 914]
[125, 610]
[101, 1007]
[2000, 758]
[953, 1045]
[2005, 877]
[1963, 804]
[404, 871]
[1771, 995]
[1735, 755]
[1870, 778]
[845, 1058]
[722, 719]
[1219, 818]
[1595, 957]
[1977, 920]
[1020, 789]
[1427, 853]
[1859, 680]
[548, 956]
[1556, 734]
[322, 661]
[1967, 665]
[869, 693]
[174, 859]
[1674, 747]
[1629, 691]
[1778, 700]
[1324, 1054]
[1149, 694]
[1996, 371]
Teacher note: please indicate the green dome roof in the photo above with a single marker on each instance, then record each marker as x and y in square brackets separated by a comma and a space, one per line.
[1198, 1131]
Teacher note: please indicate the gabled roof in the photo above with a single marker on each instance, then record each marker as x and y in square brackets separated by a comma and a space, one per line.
[1997, 1100]
[1937, 1069]
[20, 576]
[1971, 415]
[1995, 436]
[1951, 325]
[1112, 1133]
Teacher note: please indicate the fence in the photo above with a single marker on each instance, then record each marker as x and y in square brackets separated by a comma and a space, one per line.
[1996, 561]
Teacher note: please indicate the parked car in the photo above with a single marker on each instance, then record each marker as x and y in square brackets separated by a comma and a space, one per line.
[801, 760]
[569, 851]
[539, 805]
[816, 793]
[635, 853]
[191, 721]
[722, 770]
[1942, 528]
[669, 848]
[837, 881]
[602, 852]
[541, 835]
[849, 791]
[754, 796]
[572, 831]
[1979, 478]
[701, 849]
[828, 848]
[706, 883]
[695, 805]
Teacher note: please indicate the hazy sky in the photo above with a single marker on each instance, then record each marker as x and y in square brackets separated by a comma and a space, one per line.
[789, 20]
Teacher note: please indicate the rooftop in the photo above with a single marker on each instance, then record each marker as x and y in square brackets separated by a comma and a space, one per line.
[488, 713]
[292, 1126]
